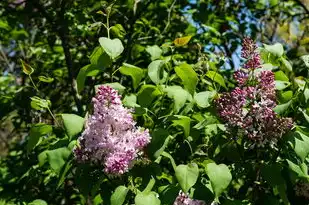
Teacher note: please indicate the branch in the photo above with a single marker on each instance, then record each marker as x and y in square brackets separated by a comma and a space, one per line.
[62, 32]
[300, 3]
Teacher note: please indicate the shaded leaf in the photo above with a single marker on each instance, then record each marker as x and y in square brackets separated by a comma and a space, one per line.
[188, 77]
[136, 73]
[119, 195]
[187, 176]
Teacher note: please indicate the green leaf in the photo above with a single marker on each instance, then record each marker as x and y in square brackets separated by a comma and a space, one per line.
[280, 75]
[154, 51]
[184, 122]
[39, 104]
[27, 69]
[281, 85]
[100, 59]
[219, 176]
[119, 195]
[305, 58]
[300, 144]
[57, 158]
[187, 176]
[136, 73]
[149, 198]
[306, 94]
[88, 70]
[73, 124]
[296, 169]
[179, 95]
[130, 101]
[156, 72]
[36, 132]
[38, 202]
[203, 99]
[45, 79]
[280, 109]
[182, 41]
[188, 77]
[147, 94]
[276, 49]
[216, 77]
[118, 31]
[287, 65]
[113, 47]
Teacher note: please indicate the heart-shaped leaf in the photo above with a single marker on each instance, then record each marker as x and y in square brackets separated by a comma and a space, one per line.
[219, 176]
[188, 77]
[119, 195]
[136, 73]
[73, 124]
[148, 198]
[113, 47]
[187, 175]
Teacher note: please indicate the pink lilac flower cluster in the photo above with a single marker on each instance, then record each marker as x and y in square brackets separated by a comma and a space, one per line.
[249, 107]
[183, 199]
[111, 137]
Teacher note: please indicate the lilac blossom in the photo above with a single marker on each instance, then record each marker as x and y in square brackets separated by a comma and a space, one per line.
[111, 137]
[183, 199]
[249, 107]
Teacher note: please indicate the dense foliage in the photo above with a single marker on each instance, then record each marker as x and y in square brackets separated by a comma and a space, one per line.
[154, 102]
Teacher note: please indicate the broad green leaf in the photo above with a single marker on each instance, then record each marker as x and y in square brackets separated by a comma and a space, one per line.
[300, 81]
[280, 75]
[119, 195]
[184, 122]
[216, 77]
[147, 94]
[297, 169]
[45, 79]
[281, 85]
[276, 49]
[154, 51]
[73, 124]
[136, 73]
[118, 31]
[113, 47]
[219, 176]
[182, 41]
[188, 77]
[306, 94]
[130, 101]
[39, 104]
[156, 72]
[63, 172]
[36, 132]
[305, 58]
[187, 176]
[88, 70]
[280, 109]
[27, 69]
[57, 158]
[300, 144]
[149, 198]
[100, 59]
[179, 95]
[203, 99]
[38, 202]
[287, 65]
[286, 96]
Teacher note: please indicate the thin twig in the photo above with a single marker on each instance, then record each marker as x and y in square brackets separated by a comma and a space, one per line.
[169, 16]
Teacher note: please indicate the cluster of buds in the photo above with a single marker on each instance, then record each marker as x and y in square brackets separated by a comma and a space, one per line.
[249, 107]
[111, 137]
[183, 199]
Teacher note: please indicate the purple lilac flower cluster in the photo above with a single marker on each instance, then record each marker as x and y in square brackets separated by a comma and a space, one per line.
[183, 199]
[249, 107]
[111, 137]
